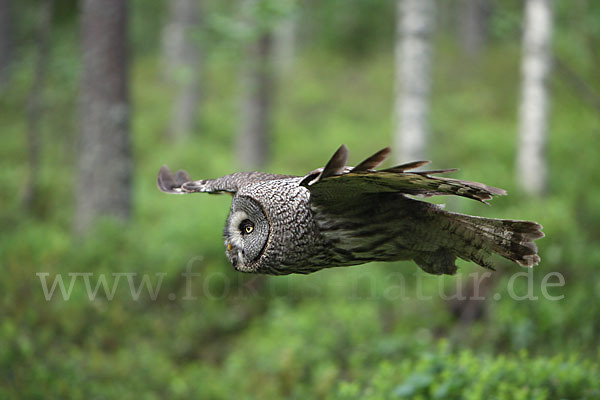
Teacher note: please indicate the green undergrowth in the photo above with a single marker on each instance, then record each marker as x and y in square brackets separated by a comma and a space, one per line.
[371, 332]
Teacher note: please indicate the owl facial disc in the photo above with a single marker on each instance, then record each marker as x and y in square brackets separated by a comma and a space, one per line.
[246, 233]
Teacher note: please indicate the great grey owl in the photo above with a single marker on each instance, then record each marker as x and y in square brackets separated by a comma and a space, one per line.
[339, 216]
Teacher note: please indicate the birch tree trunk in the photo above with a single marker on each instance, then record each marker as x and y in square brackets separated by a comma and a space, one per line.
[415, 25]
[535, 69]
[181, 56]
[104, 183]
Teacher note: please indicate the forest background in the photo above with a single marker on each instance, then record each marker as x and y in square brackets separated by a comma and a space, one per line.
[278, 85]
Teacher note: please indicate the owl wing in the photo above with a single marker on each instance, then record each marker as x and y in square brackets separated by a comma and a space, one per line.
[336, 180]
[181, 183]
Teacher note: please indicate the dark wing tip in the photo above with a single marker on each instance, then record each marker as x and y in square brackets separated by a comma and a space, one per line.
[168, 183]
[336, 164]
[407, 166]
[182, 177]
[477, 191]
[436, 171]
[496, 190]
[373, 161]
[311, 177]
[165, 180]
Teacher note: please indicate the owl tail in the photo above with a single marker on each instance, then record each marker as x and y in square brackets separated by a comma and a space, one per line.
[482, 237]
[477, 239]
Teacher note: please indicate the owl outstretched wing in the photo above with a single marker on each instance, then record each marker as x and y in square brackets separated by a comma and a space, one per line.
[336, 180]
[181, 183]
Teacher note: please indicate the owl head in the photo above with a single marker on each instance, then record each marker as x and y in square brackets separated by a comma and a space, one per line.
[269, 227]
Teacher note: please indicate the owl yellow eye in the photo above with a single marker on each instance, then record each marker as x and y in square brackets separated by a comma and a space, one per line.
[246, 227]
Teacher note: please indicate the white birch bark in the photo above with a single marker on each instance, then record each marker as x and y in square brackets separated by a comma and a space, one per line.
[535, 69]
[415, 25]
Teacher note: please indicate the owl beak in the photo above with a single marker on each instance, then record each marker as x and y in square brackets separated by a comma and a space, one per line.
[232, 253]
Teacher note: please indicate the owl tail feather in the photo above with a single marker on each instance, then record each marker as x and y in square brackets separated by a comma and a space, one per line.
[479, 238]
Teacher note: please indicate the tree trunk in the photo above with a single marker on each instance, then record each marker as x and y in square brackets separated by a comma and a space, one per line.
[535, 69]
[284, 46]
[473, 25]
[415, 24]
[181, 54]
[35, 104]
[6, 40]
[105, 164]
[256, 95]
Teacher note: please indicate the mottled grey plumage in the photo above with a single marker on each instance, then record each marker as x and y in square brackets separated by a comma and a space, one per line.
[340, 216]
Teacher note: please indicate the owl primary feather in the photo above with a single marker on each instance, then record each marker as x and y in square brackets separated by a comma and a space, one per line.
[340, 216]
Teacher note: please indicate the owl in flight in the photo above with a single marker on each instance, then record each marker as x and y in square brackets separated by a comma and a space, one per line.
[340, 216]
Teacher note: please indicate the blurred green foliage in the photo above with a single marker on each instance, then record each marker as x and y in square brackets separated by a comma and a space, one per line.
[351, 333]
